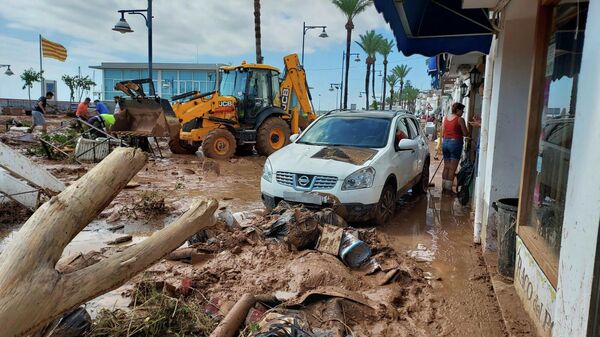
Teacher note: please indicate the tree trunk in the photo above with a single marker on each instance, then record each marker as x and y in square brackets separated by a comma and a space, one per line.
[373, 79]
[367, 85]
[400, 93]
[349, 28]
[29, 93]
[259, 57]
[391, 97]
[33, 292]
[385, 63]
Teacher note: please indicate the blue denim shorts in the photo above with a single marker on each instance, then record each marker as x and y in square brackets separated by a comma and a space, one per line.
[452, 148]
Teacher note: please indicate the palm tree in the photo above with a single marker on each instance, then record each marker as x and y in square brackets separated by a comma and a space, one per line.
[380, 40]
[385, 49]
[29, 77]
[392, 80]
[350, 8]
[369, 42]
[259, 57]
[401, 71]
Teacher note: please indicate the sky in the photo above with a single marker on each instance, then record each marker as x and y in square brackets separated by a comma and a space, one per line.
[204, 31]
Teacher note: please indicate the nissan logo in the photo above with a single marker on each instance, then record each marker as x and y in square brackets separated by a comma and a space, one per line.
[303, 181]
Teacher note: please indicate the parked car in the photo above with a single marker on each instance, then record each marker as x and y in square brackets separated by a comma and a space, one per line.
[364, 160]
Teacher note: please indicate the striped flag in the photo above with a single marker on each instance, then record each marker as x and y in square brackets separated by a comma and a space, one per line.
[53, 50]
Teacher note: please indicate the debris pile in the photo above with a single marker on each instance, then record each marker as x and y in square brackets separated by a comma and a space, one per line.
[299, 273]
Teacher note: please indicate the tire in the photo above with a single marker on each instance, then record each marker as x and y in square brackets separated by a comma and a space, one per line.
[178, 146]
[386, 206]
[219, 144]
[273, 134]
[422, 185]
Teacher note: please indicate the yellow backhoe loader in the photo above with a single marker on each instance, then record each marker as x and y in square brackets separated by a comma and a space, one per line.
[253, 107]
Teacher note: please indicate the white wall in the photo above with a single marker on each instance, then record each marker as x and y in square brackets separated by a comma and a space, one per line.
[509, 103]
[582, 210]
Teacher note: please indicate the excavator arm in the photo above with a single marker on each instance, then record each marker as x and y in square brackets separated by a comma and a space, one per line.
[295, 95]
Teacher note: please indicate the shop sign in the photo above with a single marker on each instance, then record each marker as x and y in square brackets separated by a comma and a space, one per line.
[534, 289]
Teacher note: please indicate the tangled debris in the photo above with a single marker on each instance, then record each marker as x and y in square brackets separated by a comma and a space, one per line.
[154, 313]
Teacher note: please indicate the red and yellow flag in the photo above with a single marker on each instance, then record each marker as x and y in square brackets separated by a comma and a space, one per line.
[53, 50]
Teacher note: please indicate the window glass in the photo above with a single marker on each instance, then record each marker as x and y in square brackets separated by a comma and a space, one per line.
[199, 75]
[131, 74]
[415, 127]
[411, 132]
[348, 131]
[113, 73]
[185, 75]
[557, 117]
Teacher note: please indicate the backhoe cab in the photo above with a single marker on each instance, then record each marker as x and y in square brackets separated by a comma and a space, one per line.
[253, 106]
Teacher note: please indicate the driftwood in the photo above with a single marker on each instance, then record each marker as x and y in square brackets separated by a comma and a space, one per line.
[33, 292]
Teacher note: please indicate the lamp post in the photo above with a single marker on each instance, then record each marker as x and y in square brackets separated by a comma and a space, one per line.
[305, 29]
[8, 72]
[475, 78]
[357, 59]
[332, 87]
[123, 27]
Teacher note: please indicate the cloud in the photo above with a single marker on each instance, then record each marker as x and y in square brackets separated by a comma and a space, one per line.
[180, 28]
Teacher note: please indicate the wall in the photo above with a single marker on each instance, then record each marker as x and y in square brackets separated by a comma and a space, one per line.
[582, 209]
[509, 100]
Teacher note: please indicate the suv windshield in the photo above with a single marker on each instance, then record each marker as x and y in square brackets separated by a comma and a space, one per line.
[348, 131]
[233, 83]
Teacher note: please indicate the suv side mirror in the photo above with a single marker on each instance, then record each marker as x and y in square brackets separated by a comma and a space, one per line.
[407, 144]
[294, 137]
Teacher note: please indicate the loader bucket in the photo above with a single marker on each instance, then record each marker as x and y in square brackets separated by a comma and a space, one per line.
[141, 117]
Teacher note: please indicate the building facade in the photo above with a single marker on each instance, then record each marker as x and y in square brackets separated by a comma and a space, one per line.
[540, 115]
[169, 79]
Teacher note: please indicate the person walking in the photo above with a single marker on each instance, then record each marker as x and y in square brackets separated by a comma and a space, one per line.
[38, 112]
[454, 129]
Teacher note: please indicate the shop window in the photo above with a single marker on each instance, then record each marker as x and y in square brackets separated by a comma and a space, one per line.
[547, 176]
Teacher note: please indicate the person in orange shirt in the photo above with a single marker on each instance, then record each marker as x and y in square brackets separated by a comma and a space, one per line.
[82, 109]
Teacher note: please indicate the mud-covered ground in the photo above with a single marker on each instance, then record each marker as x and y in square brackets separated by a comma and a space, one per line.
[443, 288]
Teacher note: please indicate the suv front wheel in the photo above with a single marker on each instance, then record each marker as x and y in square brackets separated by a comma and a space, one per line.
[386, 206]
[423, 184]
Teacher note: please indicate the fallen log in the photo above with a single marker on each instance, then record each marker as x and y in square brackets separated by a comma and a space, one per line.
[33, 292]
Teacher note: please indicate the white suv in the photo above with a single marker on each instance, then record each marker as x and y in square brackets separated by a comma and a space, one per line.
[362, 160]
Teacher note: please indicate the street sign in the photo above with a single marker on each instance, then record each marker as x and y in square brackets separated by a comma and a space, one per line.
[429, 108]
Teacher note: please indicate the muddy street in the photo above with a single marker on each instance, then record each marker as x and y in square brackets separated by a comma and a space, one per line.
[443, 288]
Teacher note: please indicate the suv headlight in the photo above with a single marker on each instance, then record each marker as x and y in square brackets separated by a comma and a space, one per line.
[267, 171]
[362, 178]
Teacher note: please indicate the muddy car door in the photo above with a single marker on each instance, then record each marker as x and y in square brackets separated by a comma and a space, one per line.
[402, 159]
[419, 136]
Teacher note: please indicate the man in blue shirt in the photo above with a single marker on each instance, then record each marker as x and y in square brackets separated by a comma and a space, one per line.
[101, 108]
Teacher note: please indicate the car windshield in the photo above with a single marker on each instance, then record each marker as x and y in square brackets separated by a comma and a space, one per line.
[233, 83]
[348, 131]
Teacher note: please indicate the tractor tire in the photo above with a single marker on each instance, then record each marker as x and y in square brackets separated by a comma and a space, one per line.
[219, 144]
[273, 134]
[178, 146]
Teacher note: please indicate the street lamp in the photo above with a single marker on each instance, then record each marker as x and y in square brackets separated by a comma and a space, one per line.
[475, 78]
[305, 29]
[357, 59]
[122, 26]
[332, 87]
[360, 94]
[8, 72]
[463, 90]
